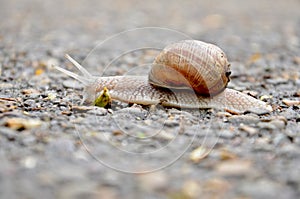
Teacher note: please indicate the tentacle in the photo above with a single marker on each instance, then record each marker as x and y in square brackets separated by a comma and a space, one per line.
[81, 68]
[86, 79]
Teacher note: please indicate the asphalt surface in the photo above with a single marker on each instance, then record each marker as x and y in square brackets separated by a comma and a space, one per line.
[51, 146]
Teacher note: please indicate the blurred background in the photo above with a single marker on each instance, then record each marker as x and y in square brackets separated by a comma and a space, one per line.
[242, 28]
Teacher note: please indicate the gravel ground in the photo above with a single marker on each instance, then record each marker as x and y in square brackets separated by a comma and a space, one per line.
[53, 147]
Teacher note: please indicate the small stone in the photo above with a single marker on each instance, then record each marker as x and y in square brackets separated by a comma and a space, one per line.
[156, 181]
[227, 134]
[260, 111]
[296, 60]
[279, 124]
[235, 167]
[106, 192]
[165, 136]
[213, 21]
[273, 124]
[171, 123]
[263, 141]
[63, 146]
[29, 91]
[251, 93]
[82, 109]
[8, 133]
[28, 140]
[20, 123]
[282, 118]
[216, 186]
[191, 188]
[51, 96]
[279, 139]
[29, 103]
[227, 155]
[135, 111]
[29, 162]
[6, 85]
[266, 125]
[99, 111]
[248, 129]
[262, 188]
[245, 119]
[265, 97]
[198, 154]
[291, 102]
[223, 114]
[277, 81]
[290, 150]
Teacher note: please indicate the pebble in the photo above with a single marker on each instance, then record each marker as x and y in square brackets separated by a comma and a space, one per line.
[216, 186]
[28, 140]
[62, 146]
[245, 119]
[258, 111]
[252, 93]
[290, 150]
[272, 125]
[277, 81]
[227, 134]
[30, 91]
[156, 181]
[225, 154]
[20, 123]
[29, 162]
[29, 103]
[75, 189]
[134, 111]
[279, 124]
[82, 109]
[198, 154]
[291, 102]
[171, 123]
[165, 135]
[279, 139]
[6, 85]
[99, 111]
[259, 189]
[248, 129]
[296, 60]
[223, 114]
[192, 189]
[8, 133]
[235, 167]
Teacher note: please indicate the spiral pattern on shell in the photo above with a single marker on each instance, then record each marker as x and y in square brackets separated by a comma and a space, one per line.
[191, 64]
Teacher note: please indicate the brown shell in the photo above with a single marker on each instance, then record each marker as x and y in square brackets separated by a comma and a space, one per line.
[191, 64]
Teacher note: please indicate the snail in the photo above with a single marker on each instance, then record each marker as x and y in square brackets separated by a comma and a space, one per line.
[186, 74]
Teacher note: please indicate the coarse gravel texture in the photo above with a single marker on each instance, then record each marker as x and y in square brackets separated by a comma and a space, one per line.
[51, 146]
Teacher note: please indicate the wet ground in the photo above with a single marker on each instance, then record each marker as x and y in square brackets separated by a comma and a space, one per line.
[53, 147]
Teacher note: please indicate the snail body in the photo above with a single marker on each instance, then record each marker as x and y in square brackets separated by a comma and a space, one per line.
[187, 74]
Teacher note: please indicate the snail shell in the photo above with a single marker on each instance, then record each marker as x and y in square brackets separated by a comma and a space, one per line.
[204, 65]
[191, 64]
